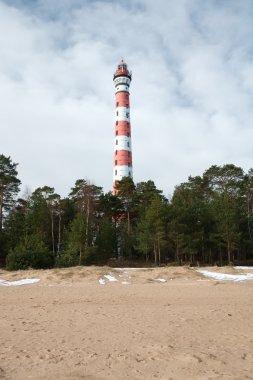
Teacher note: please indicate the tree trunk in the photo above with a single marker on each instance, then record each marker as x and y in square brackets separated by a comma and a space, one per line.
[155, 253]
[128, 222]
[146, 254]
[1, 210]
[59, 235]
[52, 231]
[87, 223]
[229, 250]
[159, 251]
[178, 259]
[116, 238]
[80, 254]
[220, 257]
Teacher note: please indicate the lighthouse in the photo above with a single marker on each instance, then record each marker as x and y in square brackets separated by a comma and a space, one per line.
[123, 166]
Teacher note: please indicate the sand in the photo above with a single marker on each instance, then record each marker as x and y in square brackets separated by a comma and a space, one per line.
[165, 323]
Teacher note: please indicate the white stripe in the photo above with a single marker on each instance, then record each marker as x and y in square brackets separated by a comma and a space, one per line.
[121, 79]
[122, 143]
[122, 87]
[122, 110]
[122, 171]
[122, 114]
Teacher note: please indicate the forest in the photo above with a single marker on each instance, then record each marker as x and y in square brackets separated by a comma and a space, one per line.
[207, 221]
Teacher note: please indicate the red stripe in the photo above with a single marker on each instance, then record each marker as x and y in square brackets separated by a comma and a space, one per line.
[122, 99]
[122, 157]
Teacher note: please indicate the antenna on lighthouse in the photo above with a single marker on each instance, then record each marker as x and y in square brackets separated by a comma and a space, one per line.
[123, 166]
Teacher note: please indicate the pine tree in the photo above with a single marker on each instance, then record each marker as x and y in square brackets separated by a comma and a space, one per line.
[151, 230]
[9, 185]
[86, 200]
[224, 192]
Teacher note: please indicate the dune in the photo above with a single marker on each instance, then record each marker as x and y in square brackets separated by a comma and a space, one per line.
[98, 323]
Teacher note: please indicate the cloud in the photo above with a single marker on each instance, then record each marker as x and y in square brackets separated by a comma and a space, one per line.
[191, 94]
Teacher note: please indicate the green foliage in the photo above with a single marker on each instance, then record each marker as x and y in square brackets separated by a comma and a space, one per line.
[151, 230]
[86, 198]
[3, 248]
[39, 216]
[9, 184]
[190, 220]
[145, 193]
[18, 259]
[29, 254]
[67, 259]
[106, 241]
[111, 206]
[9, 187]
[225, 186]
[78, 235]
[209, 219]
[91, 256]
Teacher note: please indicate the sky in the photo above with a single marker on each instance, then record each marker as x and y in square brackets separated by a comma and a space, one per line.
[191, 91]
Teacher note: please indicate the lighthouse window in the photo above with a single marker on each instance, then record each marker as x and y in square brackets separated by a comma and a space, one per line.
[129, 173]
[127, 144]
[127, 114]
[128, 135]
[115, 172]
[117, 122]
[116, 162]
[116, 142]
[128, 153]
[128, 164]
[117, 113]
[117, 104]
[116, 133]
[116, 152]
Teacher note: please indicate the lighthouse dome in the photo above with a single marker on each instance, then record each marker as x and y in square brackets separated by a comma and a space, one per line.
[122, 69]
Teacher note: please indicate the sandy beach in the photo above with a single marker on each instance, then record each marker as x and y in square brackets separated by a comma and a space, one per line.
[98, 323]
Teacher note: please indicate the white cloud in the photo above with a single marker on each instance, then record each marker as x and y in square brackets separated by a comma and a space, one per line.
[191, 94]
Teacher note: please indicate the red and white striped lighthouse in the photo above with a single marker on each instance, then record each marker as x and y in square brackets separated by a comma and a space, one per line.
[122, 142]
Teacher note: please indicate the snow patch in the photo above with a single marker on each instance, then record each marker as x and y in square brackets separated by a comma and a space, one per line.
[125, 269]
[227, 277]
[110, 277]
[160, 279]
[124, 278]
[243, 268]
[26, 281]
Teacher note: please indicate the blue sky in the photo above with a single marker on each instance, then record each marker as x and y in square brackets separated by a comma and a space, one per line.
[191, 94]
